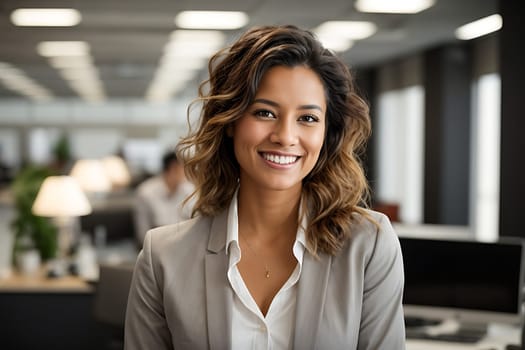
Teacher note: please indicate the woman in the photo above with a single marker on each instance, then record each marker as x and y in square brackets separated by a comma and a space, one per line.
[280, 255]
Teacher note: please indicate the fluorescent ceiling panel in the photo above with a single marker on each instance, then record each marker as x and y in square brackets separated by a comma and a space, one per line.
[480, 27]
[393, 6]
[352, 30]
[211, 19]
[340, 35]
[62, 17]
[62, 48]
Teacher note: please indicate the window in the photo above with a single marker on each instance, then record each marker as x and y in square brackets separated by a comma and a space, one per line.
[400, 151]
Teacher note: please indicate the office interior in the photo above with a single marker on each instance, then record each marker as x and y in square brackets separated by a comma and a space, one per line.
[444, 160]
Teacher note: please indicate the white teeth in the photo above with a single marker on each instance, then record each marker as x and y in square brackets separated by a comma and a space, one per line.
[279, 159]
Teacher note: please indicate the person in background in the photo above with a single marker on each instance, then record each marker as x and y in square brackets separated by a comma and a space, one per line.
[282, 253]
[159, 200]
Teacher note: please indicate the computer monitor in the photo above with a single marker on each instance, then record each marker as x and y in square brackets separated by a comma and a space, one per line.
[472, 282]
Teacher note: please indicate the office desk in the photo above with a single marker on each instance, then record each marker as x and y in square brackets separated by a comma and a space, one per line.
[498, 336]
[17, 283]
[434, 345]
[40, 313]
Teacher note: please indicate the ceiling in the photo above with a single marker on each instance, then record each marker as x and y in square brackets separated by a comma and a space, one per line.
[127, 37]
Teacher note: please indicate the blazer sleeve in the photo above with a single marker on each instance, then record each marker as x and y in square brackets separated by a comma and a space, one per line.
[382, 320]
[146, 326]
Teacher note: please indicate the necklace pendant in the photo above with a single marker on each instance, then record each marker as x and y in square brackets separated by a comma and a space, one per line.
[267, 273]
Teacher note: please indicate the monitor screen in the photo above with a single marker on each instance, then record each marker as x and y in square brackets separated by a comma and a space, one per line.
[466, 280]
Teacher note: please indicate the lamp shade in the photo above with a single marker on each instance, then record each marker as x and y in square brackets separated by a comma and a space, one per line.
[91, 175]
[61, 196]
[117, 171]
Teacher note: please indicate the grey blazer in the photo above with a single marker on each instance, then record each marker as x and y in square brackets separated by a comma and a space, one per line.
[180, 297]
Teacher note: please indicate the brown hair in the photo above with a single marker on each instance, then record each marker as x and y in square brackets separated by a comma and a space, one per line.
[336, 186]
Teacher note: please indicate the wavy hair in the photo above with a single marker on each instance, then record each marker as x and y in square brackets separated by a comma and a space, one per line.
[336, 188]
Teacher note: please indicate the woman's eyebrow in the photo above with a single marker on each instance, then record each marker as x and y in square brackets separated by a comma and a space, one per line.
[275, 104]
[265, 101]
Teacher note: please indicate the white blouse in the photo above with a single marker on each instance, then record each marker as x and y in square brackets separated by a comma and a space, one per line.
[250, 328]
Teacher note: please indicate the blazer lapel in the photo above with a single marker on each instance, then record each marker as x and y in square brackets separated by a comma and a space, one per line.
[310, 299]
[218, 292]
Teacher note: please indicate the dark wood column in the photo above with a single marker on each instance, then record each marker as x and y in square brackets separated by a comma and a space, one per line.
[447, 135]
[512, 176]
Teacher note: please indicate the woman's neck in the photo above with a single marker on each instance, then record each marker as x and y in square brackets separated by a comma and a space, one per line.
[268, 215]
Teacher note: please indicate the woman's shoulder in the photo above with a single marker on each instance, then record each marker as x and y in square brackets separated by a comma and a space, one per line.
[373, 230]
[369, 221]
[181, 235]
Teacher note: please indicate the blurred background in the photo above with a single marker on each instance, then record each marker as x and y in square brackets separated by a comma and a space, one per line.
[111, 81]
[118, 78]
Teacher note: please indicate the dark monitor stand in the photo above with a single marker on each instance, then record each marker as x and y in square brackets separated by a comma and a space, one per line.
[472, 283]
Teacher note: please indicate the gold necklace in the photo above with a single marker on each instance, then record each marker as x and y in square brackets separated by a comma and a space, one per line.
[266, 269]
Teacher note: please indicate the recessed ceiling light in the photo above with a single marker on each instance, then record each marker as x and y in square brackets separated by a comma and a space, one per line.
[211, 19]
[62, 48]
[352, 30]
[391, 6]
[15, 80]
[336, 44]
[64, 62]
[79, 73]
[480, 27]
[190, 50]
[340, 35]
[197, 35]
[46, 17]
[194, 43]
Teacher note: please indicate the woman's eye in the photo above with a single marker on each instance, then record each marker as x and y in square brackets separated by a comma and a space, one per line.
[263, 114]
[309, 118]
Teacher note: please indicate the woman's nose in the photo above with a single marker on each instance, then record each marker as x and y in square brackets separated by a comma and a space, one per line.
[284, 133]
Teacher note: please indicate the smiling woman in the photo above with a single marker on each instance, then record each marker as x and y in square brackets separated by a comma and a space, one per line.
[278, 140]
[279, 254]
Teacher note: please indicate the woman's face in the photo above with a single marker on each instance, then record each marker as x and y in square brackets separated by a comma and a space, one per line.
[278, 139]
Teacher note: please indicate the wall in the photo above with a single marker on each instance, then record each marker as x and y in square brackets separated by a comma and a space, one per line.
[94, 130]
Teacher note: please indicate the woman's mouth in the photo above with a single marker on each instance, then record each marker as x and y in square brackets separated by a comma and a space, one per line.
[279, 159]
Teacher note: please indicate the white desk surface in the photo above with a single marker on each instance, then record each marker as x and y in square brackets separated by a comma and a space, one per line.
[441, 345]
[498, 336]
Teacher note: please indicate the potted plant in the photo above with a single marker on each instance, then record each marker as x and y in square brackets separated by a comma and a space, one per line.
[31, 231]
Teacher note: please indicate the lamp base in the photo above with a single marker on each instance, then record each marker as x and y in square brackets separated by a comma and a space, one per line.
[58, 267]
[68, 228]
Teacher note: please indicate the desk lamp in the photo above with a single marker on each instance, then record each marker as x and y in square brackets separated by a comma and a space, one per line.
[61, 198]
[117, 171]
[91, 176]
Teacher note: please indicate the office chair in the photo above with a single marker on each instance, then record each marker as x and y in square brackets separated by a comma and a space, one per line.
[111, 297]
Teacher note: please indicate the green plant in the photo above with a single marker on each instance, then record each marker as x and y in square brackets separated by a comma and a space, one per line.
[62, 150]
[27, 226]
